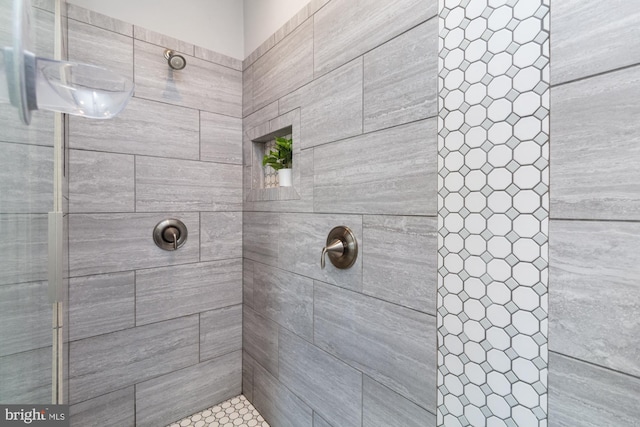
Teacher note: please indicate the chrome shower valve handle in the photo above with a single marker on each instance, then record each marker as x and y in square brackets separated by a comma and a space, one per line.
[341, 248]
[337, 247]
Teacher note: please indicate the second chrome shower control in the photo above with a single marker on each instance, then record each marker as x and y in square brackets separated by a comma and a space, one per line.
[170, 234]
[341, 247]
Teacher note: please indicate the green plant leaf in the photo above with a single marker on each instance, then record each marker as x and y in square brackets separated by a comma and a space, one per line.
[281, 156]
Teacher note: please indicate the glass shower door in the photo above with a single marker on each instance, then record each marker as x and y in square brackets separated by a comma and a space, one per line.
[30, 195]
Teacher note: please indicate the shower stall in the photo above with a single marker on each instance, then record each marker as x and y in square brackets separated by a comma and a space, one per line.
[467, 170]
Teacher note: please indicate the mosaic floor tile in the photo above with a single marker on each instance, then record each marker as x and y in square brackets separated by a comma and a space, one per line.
[235, 412]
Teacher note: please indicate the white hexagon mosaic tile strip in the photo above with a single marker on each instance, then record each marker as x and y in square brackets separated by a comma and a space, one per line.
[235, 412]
[270, 174]
[493, 209]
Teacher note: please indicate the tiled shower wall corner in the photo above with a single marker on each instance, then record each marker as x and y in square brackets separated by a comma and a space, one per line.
[493, 204]
[345, 347]
[594, 363]
[155, 335]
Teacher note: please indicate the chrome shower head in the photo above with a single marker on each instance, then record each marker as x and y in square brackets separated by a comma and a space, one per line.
[175, 61]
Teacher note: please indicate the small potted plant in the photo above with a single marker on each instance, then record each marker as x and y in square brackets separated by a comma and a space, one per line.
[281, 158]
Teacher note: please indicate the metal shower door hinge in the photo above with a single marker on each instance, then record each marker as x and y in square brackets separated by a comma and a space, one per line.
[56, 242]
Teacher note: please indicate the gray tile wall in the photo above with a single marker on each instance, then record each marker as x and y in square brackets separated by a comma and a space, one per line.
[345, 347]
[594, 373]
[155, 335]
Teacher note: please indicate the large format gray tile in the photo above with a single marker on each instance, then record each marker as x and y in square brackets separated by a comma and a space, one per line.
[104, 243]
[284, 68]
[247, 282]
[185, 392]
[128, 357]
[285, 298]
[99, 20]
[247, 92]
[248, 367]
[400, 79]
[26, 317]
[101, 182]
[301, 239]
[318, 421]
[202, 85]
[101, 304]
[220, 138]
[369, 333]
[116, 409]
[330, 107]
[260, 116]
[260, 339]
[23, 248]
[185, 185]
[260, 237]
[218, 58]
[26, 178]
[595, 134]
[220, 235]
[115, 52]
[590, 36]
[220, 332]
[278, 405]
[39, 132]
[169, 292]
[595, 279]
[584, 395]
[342, 33]
[399, 263]
[323, 382]
[382, 407]
[26, 377]
[137, 131]
[393, 171]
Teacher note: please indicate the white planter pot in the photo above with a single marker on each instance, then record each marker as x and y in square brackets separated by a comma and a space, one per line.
[285, 177]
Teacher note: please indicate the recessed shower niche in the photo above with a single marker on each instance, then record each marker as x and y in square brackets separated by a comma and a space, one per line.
[264, 179]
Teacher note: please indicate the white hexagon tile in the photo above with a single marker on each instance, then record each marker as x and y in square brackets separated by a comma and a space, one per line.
[493, 212]
[235, 412]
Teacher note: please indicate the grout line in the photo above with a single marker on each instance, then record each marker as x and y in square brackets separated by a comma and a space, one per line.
[135, 299]
[184, 106]
[362, 99]
[153, 323]
[70, 18]
[590, 76]
[339, 287]
[150, 156]
[135, 404]
[135, 183]
[626, 374]
[137, 270]
[594, 220]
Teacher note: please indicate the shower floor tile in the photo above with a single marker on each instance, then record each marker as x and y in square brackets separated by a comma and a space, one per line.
[235, 412]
